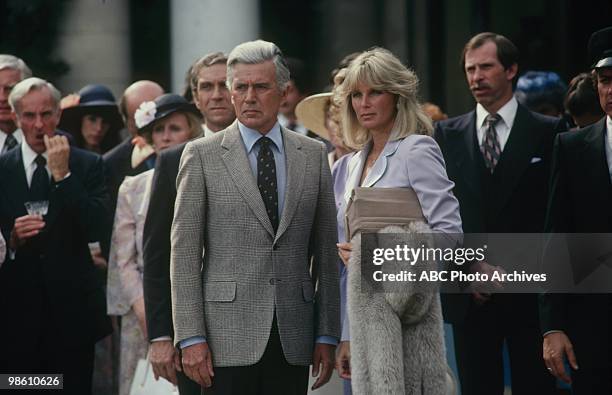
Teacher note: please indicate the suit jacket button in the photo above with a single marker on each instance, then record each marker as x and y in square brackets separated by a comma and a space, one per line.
[275, 247]
[271, 281]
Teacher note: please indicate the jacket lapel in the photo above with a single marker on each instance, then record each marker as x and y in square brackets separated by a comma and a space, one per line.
[595, 169]
[379, 168]
[18, 185]
[354, 171]
[516, 157]
[462, 153]
[238, 166]
[296, 165]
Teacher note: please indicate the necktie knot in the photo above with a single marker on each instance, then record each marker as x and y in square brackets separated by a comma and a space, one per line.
[492, 119]
[40, 161]
[9, 143]
[264, 141]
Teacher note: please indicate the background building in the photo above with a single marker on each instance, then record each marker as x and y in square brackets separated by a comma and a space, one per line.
[75, 42]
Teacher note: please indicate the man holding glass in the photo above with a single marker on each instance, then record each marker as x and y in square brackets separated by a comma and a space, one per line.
[52, 202]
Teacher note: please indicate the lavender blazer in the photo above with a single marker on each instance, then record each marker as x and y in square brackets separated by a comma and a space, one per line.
[415, 162]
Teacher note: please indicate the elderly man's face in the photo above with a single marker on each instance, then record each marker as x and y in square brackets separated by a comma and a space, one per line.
[213, 98]
[8, 79]
[256, 96]
[604, 88]
[37, 115]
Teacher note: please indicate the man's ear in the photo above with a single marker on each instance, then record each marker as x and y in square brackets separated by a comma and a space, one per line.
[511, 71]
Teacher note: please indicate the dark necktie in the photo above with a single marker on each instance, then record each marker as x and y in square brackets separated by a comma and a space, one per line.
[491, 150]
[39, 188]
[9, 143]
[266, 180]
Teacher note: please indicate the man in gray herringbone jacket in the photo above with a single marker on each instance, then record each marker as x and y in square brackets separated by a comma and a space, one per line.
[255, 293]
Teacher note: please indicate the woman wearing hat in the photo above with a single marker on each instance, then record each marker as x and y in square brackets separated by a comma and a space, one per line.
[168, 121]
[92, 117]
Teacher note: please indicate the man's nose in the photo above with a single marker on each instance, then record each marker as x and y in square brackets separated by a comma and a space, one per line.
[38, 122]
[250, 95]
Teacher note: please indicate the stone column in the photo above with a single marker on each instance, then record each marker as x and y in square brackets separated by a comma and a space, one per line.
[94, 41]
[202, 26]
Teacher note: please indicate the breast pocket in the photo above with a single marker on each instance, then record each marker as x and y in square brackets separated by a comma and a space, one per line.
[220, 291]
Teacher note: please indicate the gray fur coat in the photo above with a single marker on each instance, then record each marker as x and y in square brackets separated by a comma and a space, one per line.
[397, 341]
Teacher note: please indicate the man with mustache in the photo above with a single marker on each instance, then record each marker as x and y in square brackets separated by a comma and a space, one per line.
[498, 156]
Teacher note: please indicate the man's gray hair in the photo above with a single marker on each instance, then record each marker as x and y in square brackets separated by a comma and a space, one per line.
[32, 84]
[255, 52]
[13, 62]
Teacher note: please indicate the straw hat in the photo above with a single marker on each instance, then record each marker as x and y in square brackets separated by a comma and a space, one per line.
[311, 113]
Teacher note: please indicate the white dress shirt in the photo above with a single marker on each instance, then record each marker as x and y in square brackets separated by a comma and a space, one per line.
[18, 134]
[29, 164]
[503, 127]
[207, 131]
[2, 250]
[609, 144]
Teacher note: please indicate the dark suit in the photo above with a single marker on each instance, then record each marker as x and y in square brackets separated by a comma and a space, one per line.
[51, 300]
[118, 165]
[118, 162]
[511, 200]
[580, 202]
[156, 253]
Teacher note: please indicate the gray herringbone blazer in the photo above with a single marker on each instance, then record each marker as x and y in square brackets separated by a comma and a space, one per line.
[230, 273]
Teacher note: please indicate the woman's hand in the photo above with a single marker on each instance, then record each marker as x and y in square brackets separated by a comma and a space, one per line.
[343, 360]
[344, 251]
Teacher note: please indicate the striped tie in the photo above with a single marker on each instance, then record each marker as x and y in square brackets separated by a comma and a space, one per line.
[491, 150]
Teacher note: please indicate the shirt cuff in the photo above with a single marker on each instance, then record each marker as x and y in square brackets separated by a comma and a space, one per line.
[327, 340]
[161, 339]
[553, 331]
[191, 341]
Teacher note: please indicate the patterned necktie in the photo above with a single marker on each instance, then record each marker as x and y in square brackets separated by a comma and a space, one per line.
[39, 188]
[491, 150]
[266, 180]
[9, 143]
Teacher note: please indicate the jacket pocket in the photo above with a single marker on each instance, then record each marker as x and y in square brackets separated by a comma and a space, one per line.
[220, 291]
[307, 291]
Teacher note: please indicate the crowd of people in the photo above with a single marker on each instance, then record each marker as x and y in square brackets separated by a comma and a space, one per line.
[218, 232]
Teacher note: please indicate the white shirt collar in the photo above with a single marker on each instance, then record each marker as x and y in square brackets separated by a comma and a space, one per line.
[29, 156]
[507, 112]
[207, 131]
[609, 130]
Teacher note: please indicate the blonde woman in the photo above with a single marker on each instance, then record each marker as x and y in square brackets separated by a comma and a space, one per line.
[164, 123]
[383, 352]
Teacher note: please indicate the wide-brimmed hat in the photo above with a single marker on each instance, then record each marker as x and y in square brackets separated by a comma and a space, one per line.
[161, 107]
[600, 48]
[91, 99]
[311, 113]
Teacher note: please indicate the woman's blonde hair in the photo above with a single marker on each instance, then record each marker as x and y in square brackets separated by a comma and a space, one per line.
[381, 70]
[195, 127]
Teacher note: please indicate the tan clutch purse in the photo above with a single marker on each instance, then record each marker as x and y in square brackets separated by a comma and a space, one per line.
[371, 209]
